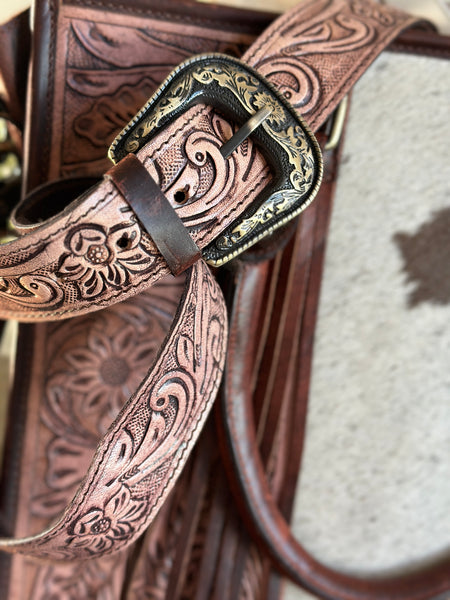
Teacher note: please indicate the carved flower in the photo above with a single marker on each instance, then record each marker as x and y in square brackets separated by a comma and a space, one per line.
[99, 529]
[108, 370]
[277, 115]
[66, 466]
[98, 259]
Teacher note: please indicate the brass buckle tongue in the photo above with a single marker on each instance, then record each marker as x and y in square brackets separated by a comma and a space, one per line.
[247, 128]
[244, 95]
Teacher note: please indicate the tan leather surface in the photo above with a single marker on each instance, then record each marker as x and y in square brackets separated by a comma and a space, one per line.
[81, 373]
[81, 246]
[58, 477]
[167, 165]
[50, 273]
[138, 459]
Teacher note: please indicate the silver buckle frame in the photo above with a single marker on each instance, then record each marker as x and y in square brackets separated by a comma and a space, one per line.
[239, 92]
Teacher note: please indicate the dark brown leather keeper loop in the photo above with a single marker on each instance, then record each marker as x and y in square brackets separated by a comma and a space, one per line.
[155, 213]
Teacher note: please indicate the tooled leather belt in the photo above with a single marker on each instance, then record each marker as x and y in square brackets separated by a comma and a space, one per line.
[96, 252]
[180, 189]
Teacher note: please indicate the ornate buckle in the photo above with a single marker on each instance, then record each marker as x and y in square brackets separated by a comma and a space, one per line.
[240, 93]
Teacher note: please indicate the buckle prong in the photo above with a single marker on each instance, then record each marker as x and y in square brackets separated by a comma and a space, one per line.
[243, 132]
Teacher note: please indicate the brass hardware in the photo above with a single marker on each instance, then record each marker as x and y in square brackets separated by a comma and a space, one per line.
[285, 140]
[242, 134]
[5, 239]
[10, 167]
[338, 123]
[9, 164]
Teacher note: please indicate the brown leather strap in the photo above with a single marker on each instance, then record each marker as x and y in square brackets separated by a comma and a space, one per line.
[241, 453]
[155, 213]
[40, 203]
[14, 55]
[314, 54]
[139, 458]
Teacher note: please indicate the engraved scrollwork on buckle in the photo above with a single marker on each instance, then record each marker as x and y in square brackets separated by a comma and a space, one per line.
[239, 92]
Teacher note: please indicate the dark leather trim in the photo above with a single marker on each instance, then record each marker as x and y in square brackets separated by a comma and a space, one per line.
[155, 213]
[14, 55]
[42, 79]
[422, 42]
[188, 11]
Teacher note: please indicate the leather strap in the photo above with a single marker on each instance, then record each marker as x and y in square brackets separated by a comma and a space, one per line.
[155, 213]
[242, 452]
[313, 54]
[140, 457]
[254, 496]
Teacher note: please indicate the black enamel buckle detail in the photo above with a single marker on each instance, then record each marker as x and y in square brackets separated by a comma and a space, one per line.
[239, 92]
